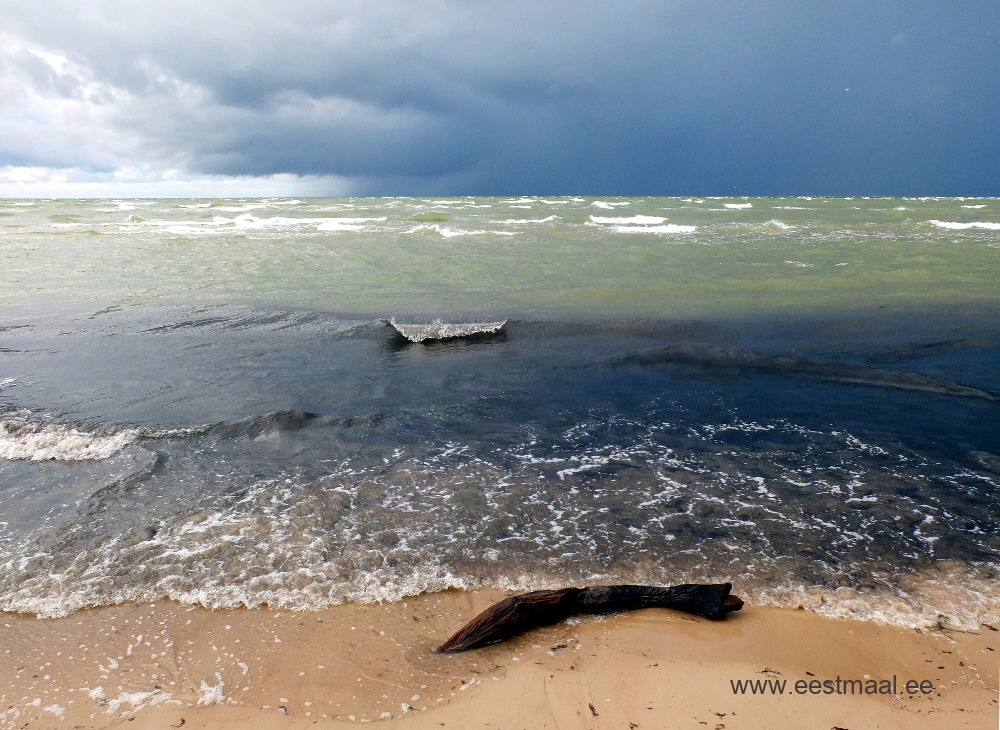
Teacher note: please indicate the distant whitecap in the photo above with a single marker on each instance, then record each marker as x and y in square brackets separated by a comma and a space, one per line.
[965, 226]
[527, 221]
[643, 220]
[452, 232]
[347, 224]
[668, 228]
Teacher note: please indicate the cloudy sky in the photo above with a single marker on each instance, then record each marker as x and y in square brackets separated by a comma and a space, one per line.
[455, 97]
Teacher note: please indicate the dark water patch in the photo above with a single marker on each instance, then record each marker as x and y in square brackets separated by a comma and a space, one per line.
[188, 324]
[256, 426]
[111, 309]
[987, 460]
[620, 332]
[717, 360]
[911, 351]
[239, 321]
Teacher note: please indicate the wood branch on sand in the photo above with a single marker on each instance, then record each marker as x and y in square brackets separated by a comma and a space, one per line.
[516, 614]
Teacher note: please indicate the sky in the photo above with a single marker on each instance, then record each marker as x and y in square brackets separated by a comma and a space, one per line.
[226, 98]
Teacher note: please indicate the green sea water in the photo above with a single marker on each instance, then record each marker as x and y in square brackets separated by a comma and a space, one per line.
[562, 257]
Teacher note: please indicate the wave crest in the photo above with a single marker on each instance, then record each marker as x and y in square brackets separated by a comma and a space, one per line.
[20, 438]
[418, 332]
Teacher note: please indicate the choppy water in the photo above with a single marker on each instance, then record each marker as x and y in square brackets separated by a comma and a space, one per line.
[202, 400]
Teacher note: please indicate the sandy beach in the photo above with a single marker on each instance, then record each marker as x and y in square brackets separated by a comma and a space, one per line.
[165, 665]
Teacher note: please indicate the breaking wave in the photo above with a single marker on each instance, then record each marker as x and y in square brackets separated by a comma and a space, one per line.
[21, 437]
[28, 437]
[420, 332]
[952, 225]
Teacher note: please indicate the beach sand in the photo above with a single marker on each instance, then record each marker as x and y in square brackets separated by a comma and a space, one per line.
[165, 665]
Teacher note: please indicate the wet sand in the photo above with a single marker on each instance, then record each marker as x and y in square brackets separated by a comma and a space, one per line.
[165, 665]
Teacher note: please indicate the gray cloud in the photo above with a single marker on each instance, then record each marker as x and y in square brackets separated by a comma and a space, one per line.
[645, 97]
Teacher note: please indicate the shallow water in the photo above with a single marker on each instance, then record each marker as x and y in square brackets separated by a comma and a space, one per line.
[202, 400]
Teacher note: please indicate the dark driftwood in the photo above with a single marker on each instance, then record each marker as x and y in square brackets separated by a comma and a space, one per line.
[517, 614]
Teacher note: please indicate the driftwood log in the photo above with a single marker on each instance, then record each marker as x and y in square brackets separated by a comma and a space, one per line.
[516, 614]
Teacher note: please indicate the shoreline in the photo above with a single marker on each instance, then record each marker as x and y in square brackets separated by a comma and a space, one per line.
[156, 665]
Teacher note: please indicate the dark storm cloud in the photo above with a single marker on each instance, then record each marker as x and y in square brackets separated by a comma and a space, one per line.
[661, 97]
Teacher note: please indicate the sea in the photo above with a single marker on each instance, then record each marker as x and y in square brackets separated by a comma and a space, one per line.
[207, 401]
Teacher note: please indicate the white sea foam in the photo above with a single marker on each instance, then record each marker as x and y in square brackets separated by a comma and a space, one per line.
[30, 439]
[57, 710]
[211, 694]
[345, 219]
[247, 221]
[965, 226]
[955, 595]
[738, 206]
[347, 224]
[779, 224]
[608, 206]
[252, 222]
[418, 332]
[982, 205]
[265, 550]
[642, 220]
[452, 232]
[237, 208]
[960, 596]
[182, 227]
[121, 205]
[135, 701]
[21, 439]
[333, 227]
[528, 221]
[668, 228]
[192, 575]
